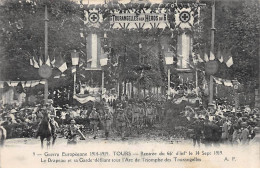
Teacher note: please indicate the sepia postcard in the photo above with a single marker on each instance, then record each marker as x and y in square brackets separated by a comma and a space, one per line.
[129, 84]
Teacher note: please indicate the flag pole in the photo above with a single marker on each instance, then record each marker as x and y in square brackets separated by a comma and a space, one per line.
[46, 92]
[212, 50]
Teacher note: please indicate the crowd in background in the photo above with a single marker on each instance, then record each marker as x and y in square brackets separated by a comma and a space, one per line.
[214, 125]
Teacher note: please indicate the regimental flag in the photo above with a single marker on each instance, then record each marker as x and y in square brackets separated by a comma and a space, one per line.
[48, 61]
[229, 61]
[211, 56]
[35, 63]
[206, 57]
[219, 55]
[61, 64]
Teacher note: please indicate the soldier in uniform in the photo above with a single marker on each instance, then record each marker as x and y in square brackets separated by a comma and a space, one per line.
[73, 131]
[121, 122]
[94, 120]
[108, 122]
[197, 128]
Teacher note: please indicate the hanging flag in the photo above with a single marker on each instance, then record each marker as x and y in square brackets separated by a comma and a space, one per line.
[75, 58]
[61, 64]
[73, 69]
[19, 88]
[219, 55]
[199, 58]
[31, 61]
[206, 57]
[211, 56]
[35, 63]
[53, 61]
[169, 58]
[40, 61]
[229, 62]
[48, 61]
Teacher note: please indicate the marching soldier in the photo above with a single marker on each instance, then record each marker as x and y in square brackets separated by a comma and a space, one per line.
[121, 122]
[94, 120]
[108, 122]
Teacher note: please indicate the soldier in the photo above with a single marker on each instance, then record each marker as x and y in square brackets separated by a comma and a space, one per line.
[198, 128]
[108, 121]
[207, 131]
[73, 131]
[121, 122]
[54, 128]
[94, 120]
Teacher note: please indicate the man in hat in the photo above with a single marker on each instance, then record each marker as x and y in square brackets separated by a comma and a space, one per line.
[94, 120]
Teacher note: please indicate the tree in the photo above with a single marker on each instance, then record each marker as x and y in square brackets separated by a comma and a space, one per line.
[22, 35]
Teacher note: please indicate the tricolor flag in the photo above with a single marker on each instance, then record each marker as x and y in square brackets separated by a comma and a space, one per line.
[206, 57]
[40, 61]
[31, 61]
[200, 55]
[199, 58]
[48, 61]
[53, 62]
[211, 56]
[75, 58]
[61, 64]
[169, 58]
[219, 55]
[229, 61]
[35, 63]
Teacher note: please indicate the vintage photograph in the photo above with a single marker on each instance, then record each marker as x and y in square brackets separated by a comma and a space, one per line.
[129, 84]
